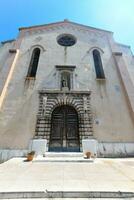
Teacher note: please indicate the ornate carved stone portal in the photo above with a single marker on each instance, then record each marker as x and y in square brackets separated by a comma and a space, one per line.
[71, 111]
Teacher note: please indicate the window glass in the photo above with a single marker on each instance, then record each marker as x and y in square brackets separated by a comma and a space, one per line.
[98, 64]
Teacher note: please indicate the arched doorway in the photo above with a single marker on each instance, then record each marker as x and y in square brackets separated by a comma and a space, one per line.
[64, 130]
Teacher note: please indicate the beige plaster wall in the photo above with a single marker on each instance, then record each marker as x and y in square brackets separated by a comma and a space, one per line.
[4, 62]
[111, 115]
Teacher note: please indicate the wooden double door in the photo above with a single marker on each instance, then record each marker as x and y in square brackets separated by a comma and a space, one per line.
[64, 130]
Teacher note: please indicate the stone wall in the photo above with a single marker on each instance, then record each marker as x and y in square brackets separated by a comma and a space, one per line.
[115, 150]
[112, 120]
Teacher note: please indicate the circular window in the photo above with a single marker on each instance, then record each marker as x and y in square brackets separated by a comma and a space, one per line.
[66, 40]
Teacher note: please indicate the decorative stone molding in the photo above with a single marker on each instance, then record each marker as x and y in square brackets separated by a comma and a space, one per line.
[96, 47]
[63, 25]
[49, 100]
[37, 46]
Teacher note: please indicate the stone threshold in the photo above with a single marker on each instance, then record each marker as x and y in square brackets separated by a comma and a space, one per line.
[64, 154]
[66, 194]
[63, 157]
[63, 160]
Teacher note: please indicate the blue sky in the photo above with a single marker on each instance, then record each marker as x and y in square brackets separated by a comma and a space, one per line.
[112, 15]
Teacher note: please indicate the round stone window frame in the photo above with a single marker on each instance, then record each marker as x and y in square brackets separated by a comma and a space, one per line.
[61, 42]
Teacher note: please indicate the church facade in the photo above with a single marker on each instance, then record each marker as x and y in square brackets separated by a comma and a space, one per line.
[65, 82]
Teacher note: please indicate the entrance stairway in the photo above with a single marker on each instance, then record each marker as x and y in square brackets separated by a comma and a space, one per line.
[62, 157]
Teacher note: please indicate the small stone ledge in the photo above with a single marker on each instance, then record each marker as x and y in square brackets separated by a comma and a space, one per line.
[118, 53]
[63, 92]
[12, 50]
[30, 78]
[66, 194]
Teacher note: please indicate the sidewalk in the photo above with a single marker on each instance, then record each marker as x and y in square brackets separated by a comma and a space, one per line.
[110, 175]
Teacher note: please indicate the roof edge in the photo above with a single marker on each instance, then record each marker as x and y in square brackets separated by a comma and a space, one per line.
[63, 22]
[123, 45]
[7, 41]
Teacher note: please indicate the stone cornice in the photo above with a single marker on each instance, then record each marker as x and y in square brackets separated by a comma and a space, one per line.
[64, 92]
[62, 24]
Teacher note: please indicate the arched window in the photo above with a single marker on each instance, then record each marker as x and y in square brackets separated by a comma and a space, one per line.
[98, 64]
[34, 63]
[65, 80]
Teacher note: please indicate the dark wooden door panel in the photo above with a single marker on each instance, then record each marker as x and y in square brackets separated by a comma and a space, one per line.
[64, 129]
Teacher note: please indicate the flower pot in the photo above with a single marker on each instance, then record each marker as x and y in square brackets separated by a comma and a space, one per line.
[30, 156]
[88, 155]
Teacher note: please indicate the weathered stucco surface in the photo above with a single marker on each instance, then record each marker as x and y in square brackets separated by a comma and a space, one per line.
[112, 120]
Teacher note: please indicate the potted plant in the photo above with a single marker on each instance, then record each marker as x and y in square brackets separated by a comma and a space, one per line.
[30, 156]
[87, 154]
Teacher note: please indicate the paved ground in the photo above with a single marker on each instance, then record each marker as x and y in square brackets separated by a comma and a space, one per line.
[100, 175]
[77, 199]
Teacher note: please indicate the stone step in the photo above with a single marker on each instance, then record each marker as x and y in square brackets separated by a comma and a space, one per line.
[62, 159]
[66, 194]
[64, 154]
